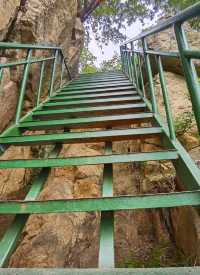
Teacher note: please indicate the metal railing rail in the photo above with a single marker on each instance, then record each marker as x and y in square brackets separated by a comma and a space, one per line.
[180, 18]
[55, 59]
[137, 63]
[98, 101]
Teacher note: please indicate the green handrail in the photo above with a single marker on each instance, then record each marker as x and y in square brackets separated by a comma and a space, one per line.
[48, 55]
[180, 18]
[147, 56]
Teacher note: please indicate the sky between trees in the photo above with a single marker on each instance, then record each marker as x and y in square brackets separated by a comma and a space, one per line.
[112, 21]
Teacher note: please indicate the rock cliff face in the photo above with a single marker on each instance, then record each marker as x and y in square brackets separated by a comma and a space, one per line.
[166, 41]
[184, 219]
[36, 22]
[142, 238]
[64, 240]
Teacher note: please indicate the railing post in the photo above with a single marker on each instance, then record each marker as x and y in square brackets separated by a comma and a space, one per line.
[40, 83]
[134, 67]
[121, 54]
[189, 72]
[149, 75]
[141, 75]
[126, 59]
[23, 86]
[62, 72]
[166, 99]
[129, 64]
[53, 73]
[106, 247]
[1, 75]
[66, 66]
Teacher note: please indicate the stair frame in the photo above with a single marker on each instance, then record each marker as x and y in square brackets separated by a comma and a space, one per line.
[132, 65]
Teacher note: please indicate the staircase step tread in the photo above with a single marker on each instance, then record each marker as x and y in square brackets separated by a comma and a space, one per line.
[99, 101]
[83, 137]
[108, 271]
[88, 160]
[131, 118]
[87, 110]
[144, 201]
[95, 95]
[124, 81]
[103, 80]
[63, 91]
[95, 85]
[100, 90]
[98, 86]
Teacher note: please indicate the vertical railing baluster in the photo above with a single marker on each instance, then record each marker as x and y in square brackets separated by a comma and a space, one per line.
[150, 76]
[62, 72]
[23, 87]
[141, 75]
[132, 62]
[164, 90]
[53, 73]
[66, 66]
[189, 72]
[1, 74]
[129, 64]
[121, 54]
[126, 60]
[134, 67]
[40, 83]
[106, 247]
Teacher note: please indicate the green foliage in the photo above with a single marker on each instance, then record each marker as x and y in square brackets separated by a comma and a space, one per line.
[87, 60]
[113, 64]
[110, 19]
[182, 4]
[89, 69]
[87, 63]
[177, 5]
[184, 122]
[161, 256]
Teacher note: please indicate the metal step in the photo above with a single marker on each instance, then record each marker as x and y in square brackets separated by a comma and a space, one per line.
[87, 122]
[94, 102]
[95, 84]
[128, 85]
[95, 95]
[84, 137]
[91, 271]
[100, 90]
[117, 203]
[84, 111]
[104, 80]
[93, 160]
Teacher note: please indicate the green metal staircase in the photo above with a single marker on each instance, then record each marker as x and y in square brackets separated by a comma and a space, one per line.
[101, 100]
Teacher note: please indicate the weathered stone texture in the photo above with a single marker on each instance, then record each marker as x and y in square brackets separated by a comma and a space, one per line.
[166, 41]
[69, 239]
